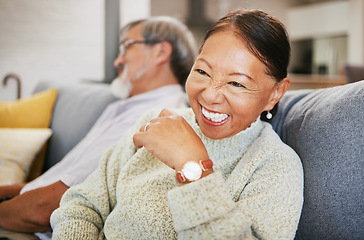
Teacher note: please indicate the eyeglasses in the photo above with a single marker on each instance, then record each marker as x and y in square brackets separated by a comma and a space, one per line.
[125, 44]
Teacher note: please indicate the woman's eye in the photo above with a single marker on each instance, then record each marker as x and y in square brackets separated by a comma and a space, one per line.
[202, 72]
[236, 84]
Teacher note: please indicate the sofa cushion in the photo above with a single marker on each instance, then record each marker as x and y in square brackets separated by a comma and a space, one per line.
[325, 128]
[285, 105]
[18, 148]
[77, 108]
[32, 112]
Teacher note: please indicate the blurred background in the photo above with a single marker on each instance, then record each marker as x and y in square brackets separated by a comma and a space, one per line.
[78, 40]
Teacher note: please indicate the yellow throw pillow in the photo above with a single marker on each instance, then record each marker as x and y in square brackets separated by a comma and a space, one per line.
[34, 112]
[18, 147]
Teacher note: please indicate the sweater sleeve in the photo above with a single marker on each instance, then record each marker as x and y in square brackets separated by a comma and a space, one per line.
[267, 206]
[205, 210]
[84, 208]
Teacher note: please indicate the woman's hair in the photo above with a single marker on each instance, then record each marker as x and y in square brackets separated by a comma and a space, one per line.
[164, 28]
[265, 36]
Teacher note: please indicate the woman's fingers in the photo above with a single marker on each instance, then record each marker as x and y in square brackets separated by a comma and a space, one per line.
[137, 139]
[165, 112]
[171, 139]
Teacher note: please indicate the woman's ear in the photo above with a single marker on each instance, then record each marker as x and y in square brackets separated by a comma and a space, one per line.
[277, 93]
[163, 52]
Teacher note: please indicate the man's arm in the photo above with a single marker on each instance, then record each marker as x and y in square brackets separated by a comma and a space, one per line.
[31, 211]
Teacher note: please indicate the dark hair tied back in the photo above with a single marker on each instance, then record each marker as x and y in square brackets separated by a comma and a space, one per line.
[265, 36]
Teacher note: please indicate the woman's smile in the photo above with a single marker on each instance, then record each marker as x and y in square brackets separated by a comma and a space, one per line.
[213, 118]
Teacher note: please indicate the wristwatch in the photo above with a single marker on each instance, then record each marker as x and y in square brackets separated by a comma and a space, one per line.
[192, 170]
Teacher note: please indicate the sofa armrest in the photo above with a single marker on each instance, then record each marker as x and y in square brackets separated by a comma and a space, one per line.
[77, 108]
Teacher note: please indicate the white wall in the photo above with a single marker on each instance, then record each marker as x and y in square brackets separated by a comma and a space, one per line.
[61, 40]
[64, 40]
[276, 8]
[133, 10]
[318, 20]
[216, 9]
[177, 9]
[331, 19]
[356, 32]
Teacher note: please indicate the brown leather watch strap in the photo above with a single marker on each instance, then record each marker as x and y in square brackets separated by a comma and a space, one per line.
[205, 166]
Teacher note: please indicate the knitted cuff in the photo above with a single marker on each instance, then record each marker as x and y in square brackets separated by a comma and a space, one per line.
[199, 202]
[75, 230]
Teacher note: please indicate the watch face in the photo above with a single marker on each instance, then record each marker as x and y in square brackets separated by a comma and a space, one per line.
[192, 171]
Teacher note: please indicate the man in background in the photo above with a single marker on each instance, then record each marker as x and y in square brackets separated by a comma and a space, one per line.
[156, 56]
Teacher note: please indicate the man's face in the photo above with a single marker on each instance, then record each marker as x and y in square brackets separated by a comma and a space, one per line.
[133, 64]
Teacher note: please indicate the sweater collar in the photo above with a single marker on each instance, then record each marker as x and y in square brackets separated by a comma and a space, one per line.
[232, 146]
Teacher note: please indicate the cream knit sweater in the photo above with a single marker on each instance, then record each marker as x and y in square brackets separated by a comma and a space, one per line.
[256, 192]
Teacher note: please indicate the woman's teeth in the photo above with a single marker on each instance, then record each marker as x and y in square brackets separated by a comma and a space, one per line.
[215, 117]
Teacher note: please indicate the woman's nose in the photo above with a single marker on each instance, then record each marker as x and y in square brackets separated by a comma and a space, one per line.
[213, 94]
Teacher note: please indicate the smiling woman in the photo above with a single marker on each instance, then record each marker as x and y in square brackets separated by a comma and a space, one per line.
[212, 171]
[229, 87]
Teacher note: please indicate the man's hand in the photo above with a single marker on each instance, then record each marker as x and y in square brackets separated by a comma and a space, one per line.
[10, 190]
[31, 211]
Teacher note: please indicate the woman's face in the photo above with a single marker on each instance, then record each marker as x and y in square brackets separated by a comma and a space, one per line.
[228, 87]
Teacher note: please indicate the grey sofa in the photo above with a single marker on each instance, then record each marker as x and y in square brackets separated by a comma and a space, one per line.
[77, 108]
[325, 127]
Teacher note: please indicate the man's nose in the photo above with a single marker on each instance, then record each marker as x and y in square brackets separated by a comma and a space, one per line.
[118, 62]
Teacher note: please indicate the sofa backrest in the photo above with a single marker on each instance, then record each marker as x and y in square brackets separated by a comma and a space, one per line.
[326, 128]
[77, 108]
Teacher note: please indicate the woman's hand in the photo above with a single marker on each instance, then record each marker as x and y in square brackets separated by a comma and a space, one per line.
[171, 139]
